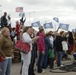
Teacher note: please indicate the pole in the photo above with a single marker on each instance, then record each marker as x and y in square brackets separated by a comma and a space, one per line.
[29, 18]
[1, 11]
[55, 27]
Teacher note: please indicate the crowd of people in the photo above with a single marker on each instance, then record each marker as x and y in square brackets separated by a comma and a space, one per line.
[45, 47]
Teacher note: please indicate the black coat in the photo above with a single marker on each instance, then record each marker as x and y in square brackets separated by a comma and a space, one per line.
[3, 21]
[58, 44]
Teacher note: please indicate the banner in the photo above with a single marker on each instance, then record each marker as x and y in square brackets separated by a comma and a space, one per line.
[56, 19]
[36, 24]
[19, 9]
[48, 25]
[64, 26]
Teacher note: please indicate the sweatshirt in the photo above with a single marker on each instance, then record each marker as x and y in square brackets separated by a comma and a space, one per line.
[6, 47]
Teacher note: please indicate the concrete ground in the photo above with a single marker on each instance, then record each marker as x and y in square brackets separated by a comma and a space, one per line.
[16, 69]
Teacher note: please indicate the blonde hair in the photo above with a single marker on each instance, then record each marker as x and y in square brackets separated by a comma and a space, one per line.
[3, 30]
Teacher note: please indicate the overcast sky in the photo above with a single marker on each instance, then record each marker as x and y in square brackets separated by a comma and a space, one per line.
[45, 10]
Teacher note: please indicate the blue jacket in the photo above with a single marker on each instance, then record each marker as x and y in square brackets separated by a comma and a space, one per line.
[47, 43]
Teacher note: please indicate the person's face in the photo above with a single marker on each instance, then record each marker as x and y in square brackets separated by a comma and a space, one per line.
[30, 31]
[7, 32]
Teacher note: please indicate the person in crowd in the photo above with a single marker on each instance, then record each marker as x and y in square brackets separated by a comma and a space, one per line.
[75, 41]
[59, 49]
[54, 46]
[27, 57]
[70, 42]
[4, 20]
[6, 51]
[65, 48]
[51, 52]
[9, 22]
[12, 34]
[52, 38]
[48, 46]
[55, 51]
[33, 57]
[41, 27]
[74, 47]
[41, 50]
[0, 54]
[17, 30]
[51, 58]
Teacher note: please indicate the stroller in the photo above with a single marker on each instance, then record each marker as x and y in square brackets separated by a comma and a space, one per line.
[65, 56]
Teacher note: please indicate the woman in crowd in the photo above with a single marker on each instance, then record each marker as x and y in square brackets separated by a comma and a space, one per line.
[17, 30]
[48, 46]
[9, 22]
[75, 41]
[59, 49]
[70, 41]
[74, 47]
[33, 57]
[41, 50]
[12, 34]
[27, 57]
[6, 51]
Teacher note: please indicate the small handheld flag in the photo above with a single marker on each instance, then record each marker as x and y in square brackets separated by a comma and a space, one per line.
[48, 25]
[36, 24]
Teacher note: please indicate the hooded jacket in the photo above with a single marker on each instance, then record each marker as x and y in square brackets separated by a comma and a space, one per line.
[40, 42]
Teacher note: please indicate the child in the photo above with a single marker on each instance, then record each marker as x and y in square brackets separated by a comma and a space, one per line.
[65, 47]
[51, 58]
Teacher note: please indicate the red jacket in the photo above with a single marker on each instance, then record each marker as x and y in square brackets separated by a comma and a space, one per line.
[40, 43]
[17, 29]
[0, 58]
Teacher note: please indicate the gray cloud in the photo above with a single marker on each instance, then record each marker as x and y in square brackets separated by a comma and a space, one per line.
[65, 10]
[71, 3]
[53, 3]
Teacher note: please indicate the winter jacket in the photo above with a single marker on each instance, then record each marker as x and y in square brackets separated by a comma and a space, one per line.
[58, 44]
[17, 29]
[40, 43]
[3, 21]
[48, 44]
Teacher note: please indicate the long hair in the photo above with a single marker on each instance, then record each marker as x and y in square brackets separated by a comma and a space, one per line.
[26, 28]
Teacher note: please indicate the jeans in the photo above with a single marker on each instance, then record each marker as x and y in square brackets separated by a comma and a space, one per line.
[40, 62]
[45, 61]
[6, 66]
[31, 66]
[51, 63]
[74, 55]
[59, 58]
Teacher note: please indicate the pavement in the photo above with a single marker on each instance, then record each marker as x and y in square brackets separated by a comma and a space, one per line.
[16, 69]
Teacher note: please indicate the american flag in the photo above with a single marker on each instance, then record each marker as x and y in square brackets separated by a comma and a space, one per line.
[19, 9]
